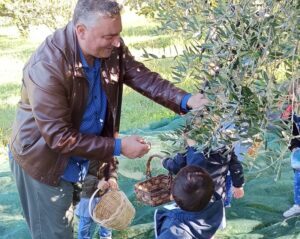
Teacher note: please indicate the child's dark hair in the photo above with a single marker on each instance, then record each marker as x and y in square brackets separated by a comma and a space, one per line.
[192, 188]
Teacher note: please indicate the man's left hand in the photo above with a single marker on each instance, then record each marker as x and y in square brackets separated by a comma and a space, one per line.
[197, 101]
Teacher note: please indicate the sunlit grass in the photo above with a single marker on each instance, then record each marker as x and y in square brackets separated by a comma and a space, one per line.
[137, 31]
[138, 111]
[162, 41]
[9, 96]
[16, 47]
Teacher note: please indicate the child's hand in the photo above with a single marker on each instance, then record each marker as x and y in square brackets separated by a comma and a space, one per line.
[287, 113]
[190, 142]
[113, 184]
[238, 192]
[103, 185]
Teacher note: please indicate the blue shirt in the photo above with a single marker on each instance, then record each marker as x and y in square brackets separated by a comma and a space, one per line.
[92, 121]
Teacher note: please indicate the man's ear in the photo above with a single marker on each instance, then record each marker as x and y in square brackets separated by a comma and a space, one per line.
[80, 31]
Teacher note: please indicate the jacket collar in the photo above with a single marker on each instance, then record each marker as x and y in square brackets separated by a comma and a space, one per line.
[68, 44]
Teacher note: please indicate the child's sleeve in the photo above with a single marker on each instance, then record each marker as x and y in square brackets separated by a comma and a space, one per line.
[113, 168]
[295, 142]
[287, 116]
[89, 186]
[236, 171]
[175, 164]
[195, 157]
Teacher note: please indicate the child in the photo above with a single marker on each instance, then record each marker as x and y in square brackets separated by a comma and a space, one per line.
[239, 150]
[106, 178]
[295, 159]
[217, 163]
[199, 212]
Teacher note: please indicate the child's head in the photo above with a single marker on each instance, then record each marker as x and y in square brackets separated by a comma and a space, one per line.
[192, 188]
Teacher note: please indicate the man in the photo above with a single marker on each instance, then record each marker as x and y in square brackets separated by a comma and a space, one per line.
[69, 112]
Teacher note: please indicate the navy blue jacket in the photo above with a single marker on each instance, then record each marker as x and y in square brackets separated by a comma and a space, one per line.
[216, 164]
[295, 142]
[177, 223]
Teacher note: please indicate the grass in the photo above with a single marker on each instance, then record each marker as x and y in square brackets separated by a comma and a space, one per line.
[15, 47]
[8, 97]
[138, 111]
[137, 31]
[162, 41]
[140, 33]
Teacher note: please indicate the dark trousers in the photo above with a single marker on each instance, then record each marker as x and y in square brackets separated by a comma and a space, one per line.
[47, 209]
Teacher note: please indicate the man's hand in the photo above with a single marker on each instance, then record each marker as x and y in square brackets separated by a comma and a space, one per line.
[197, 101]
[134, 147]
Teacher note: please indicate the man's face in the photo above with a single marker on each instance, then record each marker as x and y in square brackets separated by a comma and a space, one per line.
[100, 39]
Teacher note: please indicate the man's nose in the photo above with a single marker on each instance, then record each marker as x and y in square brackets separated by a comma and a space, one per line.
[117, 41]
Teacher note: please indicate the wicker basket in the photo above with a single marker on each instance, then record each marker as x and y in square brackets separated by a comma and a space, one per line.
[155, 190]
[114, 210]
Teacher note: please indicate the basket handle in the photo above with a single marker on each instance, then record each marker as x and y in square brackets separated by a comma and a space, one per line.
[148, 166]
[114, 214]
[90, 205]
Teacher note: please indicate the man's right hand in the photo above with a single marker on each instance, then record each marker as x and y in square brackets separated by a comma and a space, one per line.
[134, 147]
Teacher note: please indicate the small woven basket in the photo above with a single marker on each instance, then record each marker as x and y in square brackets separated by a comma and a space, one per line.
[114, 210]
[154, 191]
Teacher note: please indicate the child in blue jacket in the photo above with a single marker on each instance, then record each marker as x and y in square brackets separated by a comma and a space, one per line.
[217, 163]
[199, 210]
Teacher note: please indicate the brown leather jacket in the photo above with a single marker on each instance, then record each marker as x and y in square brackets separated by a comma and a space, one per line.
[53, 98]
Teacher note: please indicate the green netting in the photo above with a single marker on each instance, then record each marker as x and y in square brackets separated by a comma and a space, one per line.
[257, 215]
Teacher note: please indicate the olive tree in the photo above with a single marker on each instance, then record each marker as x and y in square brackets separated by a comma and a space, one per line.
[242, 55]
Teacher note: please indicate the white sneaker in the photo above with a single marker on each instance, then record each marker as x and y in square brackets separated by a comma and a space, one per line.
[293, 211]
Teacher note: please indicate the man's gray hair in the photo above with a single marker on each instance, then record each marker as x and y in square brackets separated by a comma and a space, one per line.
[87, 11]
